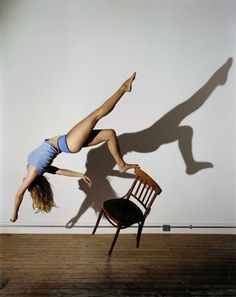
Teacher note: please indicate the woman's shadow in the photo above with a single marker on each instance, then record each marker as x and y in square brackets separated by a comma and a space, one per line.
[100, 164]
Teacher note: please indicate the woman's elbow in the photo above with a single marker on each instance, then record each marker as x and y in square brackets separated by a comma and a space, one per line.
[60, 172]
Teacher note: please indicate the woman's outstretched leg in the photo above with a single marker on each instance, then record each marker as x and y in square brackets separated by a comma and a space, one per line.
[109, 136]
[78, 135]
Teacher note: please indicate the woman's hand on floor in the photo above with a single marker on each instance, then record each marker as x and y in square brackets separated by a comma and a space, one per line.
[14, 218]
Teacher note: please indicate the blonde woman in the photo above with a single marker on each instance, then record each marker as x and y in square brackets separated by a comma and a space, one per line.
[81, 135]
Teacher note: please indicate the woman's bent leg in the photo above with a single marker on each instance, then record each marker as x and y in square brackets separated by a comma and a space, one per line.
[109, 136]
[78, 135]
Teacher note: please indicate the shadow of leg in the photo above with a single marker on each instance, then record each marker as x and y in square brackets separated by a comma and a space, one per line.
[185, 135]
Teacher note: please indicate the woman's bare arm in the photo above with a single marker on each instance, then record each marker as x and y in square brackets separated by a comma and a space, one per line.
[70, 173]
[32, 174]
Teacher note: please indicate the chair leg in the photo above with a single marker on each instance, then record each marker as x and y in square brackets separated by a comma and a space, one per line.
[140, 228]
[98, 220]
[114, 240]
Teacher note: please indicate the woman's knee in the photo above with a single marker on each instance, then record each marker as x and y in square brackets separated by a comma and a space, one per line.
[109, 134]
[95, 116]
[112, 133]
[98, 113]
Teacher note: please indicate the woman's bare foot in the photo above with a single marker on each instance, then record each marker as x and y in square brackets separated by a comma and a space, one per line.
[128, 83]
[125, 167]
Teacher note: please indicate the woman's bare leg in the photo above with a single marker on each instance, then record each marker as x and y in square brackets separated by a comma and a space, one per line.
[78, 135]
[109, 136]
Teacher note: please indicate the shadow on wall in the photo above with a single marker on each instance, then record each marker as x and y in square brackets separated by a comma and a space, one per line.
[100, 164]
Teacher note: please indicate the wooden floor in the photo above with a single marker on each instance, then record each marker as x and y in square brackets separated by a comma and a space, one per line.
[77, 265]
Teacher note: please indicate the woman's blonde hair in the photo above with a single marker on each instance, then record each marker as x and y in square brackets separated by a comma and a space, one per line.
[42, 195]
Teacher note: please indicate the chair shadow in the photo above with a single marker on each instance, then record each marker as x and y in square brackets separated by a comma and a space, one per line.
[100, 164]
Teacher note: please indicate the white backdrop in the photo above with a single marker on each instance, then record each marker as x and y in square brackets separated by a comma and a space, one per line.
[61, 59]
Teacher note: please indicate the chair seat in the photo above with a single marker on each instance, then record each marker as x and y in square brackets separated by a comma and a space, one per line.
[123, 211]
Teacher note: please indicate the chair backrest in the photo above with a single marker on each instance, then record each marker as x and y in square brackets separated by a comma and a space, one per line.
[144, 189]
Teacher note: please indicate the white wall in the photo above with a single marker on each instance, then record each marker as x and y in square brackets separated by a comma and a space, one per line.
[60, 59]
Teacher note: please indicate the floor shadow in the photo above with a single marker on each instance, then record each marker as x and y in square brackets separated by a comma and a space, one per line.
[167, 129]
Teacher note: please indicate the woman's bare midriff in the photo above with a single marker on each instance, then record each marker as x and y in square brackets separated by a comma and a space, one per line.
[53, 141]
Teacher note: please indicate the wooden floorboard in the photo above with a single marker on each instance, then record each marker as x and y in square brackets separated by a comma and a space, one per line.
[165, 265]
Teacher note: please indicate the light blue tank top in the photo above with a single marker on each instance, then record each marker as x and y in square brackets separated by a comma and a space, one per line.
[43, 156]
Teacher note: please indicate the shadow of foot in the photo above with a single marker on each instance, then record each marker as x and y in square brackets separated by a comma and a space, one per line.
[221, 74]
[197, 166]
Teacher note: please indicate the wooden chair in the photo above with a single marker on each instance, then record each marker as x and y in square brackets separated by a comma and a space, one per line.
[122, 212]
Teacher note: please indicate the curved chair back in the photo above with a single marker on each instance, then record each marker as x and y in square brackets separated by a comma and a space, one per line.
[144, 190]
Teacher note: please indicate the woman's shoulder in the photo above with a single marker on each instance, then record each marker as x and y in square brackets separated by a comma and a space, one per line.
[31, 169]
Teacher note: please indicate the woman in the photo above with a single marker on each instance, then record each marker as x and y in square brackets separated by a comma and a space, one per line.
[81, 135]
